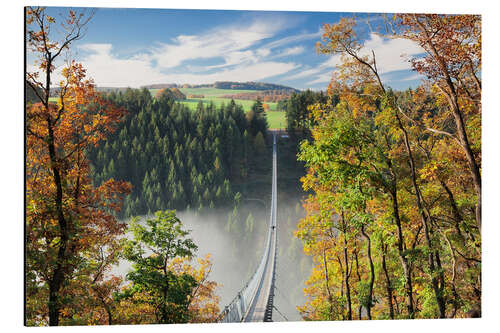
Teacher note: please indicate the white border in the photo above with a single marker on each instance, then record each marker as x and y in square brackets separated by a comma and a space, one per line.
[11, 171]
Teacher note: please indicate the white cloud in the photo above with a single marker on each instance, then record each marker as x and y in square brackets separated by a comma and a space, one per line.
[252, 72]
[241, 56]
[263, 52]
[110, 71]
[413, 77]
[255, 47]
[167, 62]
[322, 78]
[293, 39]
[227, 42]
[391, 55]
[305, 73]
[291, 51]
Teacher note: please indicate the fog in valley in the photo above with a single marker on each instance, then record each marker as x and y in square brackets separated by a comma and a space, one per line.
[235, 252]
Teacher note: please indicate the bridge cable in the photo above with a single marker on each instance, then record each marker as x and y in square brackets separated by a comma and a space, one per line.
[274, 306]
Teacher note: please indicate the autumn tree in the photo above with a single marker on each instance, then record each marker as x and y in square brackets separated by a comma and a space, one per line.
[67, 219]
[154, 246]
[380, 162]
[453, 64]
[203, 304]
[90, 298]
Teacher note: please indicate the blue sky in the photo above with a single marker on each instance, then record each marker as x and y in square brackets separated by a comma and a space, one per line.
[135, 47]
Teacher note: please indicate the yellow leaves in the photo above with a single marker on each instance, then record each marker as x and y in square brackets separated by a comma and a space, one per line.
[382, 161]
[429, 172]
[204, 306]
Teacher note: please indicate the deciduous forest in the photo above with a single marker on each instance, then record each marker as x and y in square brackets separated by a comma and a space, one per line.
[394, 221]
[380, 189]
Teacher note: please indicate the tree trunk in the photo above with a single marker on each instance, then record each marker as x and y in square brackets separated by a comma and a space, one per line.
[341, 285]
[392, 190]
[347, 287]
[330, 298]
[457, 217]
[452, 98]
[346, 271]
[58, 276]
[388, 280]
[403, 258]
[372, 274]
[164, 319]
[474, 168]
[360, 307]
[424, 217]
[107, 307]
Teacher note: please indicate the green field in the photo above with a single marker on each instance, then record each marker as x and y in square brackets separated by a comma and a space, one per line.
[213, 91]
[214, 95]
[208, 92]
[275, 119]
[192, 102]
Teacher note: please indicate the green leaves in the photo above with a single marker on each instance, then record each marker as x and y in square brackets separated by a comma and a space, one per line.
[163, 235]
[156, 243]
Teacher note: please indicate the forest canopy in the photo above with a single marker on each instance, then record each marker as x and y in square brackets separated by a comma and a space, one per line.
[381, 187]
[394, 221]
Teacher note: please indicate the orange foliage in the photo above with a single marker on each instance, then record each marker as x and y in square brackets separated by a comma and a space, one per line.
[69, 221]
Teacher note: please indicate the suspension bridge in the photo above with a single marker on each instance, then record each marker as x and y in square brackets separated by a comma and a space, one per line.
[254, 302]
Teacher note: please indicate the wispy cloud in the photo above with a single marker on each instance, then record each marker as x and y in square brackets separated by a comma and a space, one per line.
[290, 51]
[392, 55]
[244, 51]
[321, 78]
[306, 73]
[227, 42]
[109, 70]
[413, 77]
[293, 39]
[252, 72]
[236, 50]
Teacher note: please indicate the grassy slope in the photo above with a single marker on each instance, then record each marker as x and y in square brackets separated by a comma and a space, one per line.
[274, 118]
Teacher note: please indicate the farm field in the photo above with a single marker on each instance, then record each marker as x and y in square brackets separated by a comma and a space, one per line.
[247, 104]
[215, 95]
[275, 119]
[213, 91]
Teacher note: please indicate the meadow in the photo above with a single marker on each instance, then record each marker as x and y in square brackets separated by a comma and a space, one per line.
[275, 119]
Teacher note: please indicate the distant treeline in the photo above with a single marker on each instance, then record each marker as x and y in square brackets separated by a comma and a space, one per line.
[176, 158]
[264, 95]
[252, 86]
[56, 91]
[226, 85]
